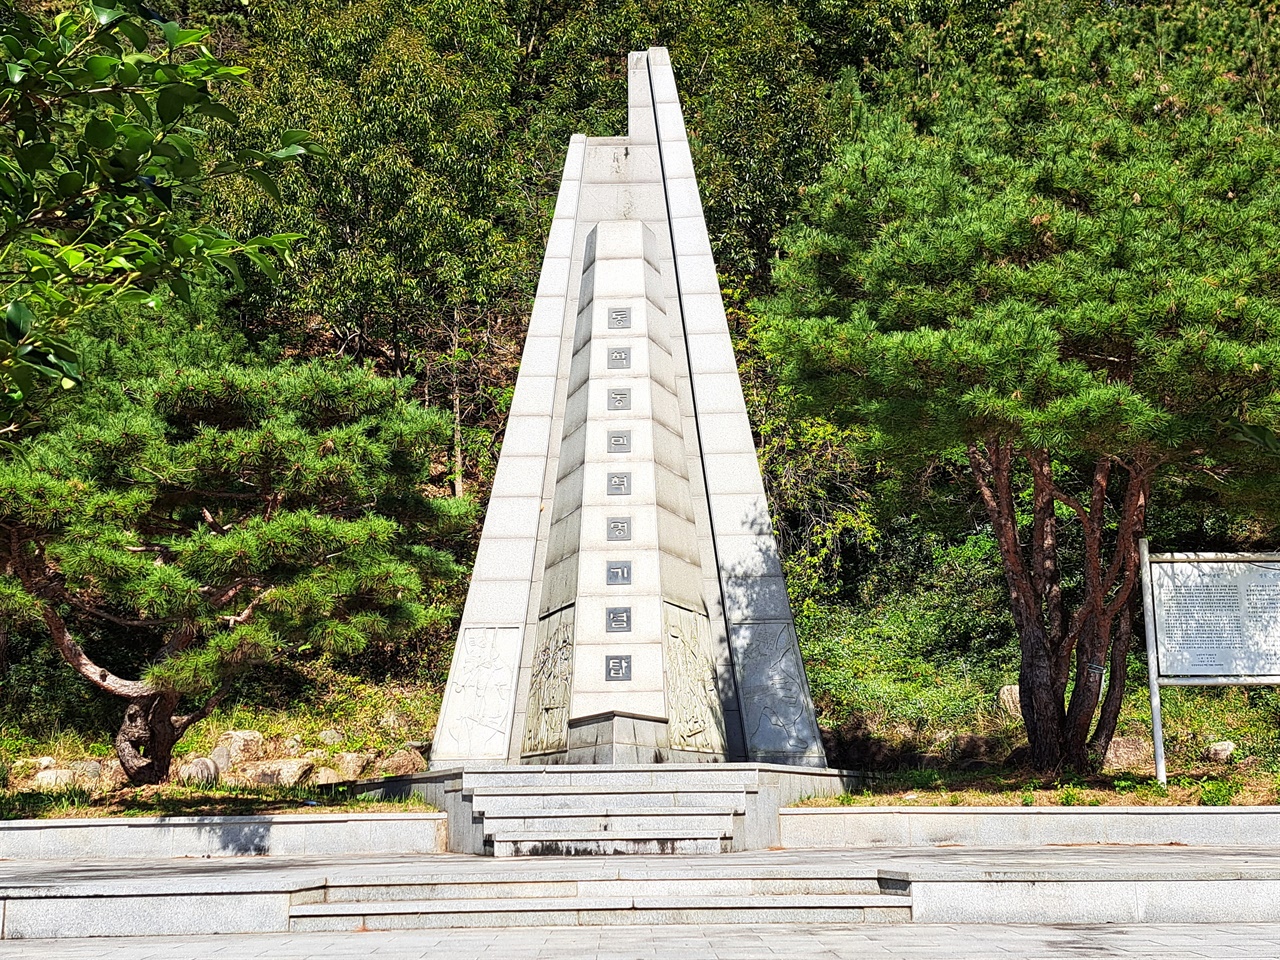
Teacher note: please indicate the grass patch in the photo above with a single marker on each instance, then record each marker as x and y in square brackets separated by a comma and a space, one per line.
[173, 800]
[370, 717]
[894, 689]
[1247, 785]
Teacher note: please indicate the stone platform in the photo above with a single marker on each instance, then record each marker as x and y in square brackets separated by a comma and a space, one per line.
[156, 838]
[1024, 827]
[568, 809]
[182, 898]
[797, 941]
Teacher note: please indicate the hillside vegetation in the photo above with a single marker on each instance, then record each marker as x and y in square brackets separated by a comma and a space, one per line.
[1004, 282]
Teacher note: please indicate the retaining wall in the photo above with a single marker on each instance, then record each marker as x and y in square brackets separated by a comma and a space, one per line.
[163, 837]
[819, 827]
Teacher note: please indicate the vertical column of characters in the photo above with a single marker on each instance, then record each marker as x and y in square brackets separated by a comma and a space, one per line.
[617, 571]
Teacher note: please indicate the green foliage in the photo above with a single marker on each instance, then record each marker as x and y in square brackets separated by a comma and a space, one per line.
[1070, 796]
[814, 479]
[853, 33]
[1069, 244]
[1217, 793]
[411, 217]
[34, 804]
[1195, 717]
[228, 516]
[102, 110]
[305, 696]
[1053, 258]
[922, 654]
[446, 122]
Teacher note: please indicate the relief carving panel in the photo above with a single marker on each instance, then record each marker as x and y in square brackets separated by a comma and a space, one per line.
[695, 718]
[481, 695]
[547, 715]
[775, 698]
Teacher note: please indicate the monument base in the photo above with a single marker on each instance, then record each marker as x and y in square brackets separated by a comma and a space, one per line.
[618, 738]
[623, 738]
[566, 809]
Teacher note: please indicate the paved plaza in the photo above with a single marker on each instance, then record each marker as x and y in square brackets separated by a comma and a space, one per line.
[1126, 900]
[852, 941]
[226, 874]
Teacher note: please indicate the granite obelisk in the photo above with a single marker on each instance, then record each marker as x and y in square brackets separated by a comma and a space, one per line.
[627, 603]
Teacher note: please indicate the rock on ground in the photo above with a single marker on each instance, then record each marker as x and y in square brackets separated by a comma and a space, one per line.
[1136, 754]
[199, 770]
[241, 745]
[283, 773]
[326, 775]
[222, 757]
[351, 765]
[88, 772]
[54, 778]
[330, 738]
[113, 775]
[1219, 752]
[1008, 700]
[402, 762]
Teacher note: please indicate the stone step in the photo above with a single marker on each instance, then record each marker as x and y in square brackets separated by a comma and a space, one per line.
[596, 843]
[504, 799]
[683, 821]
[656, 776]
[597, 911]
[594, 887]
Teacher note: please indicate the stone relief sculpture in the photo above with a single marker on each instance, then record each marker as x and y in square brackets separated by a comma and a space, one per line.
[482, 684]
[695, 720]
[775, 697]
[547, 718]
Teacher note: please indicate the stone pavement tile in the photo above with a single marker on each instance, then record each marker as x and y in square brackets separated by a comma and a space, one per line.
[864, 942]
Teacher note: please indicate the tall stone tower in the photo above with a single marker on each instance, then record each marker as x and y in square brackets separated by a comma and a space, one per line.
[627, 603]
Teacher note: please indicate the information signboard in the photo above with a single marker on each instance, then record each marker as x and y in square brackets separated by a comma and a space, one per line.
[1211, 619]
[1216, 617]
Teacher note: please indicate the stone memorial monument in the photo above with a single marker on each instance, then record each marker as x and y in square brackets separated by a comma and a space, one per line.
[627, 603]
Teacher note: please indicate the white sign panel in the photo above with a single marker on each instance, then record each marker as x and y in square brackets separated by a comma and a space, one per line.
[1217, 618]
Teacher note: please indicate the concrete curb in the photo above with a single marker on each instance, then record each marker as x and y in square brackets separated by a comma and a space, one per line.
[366, 834]
[860, 827]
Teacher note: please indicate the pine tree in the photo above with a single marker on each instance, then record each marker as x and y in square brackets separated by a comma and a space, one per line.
[227, 516]
[1058, 265]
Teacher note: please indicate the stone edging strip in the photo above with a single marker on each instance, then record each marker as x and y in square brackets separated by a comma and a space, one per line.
[862, 827]
[368, 834]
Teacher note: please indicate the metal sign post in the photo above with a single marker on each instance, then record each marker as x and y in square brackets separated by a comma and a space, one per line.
[1212, 619]
[1153, 668]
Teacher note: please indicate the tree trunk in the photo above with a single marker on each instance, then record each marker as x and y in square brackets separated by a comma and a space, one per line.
[146, 737]
[145, 740]
[1097, 639]
[457, 413]
[1117, 675]
[1042, 712]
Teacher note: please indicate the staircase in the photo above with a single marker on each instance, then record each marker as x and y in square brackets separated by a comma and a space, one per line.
[625, 818]
[561, 810]
[600, 892]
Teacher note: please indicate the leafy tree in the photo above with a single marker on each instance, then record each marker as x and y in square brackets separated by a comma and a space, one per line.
[223, 517]
[447, 121]
[1060, 267]
[100, 157]
[418, 225]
